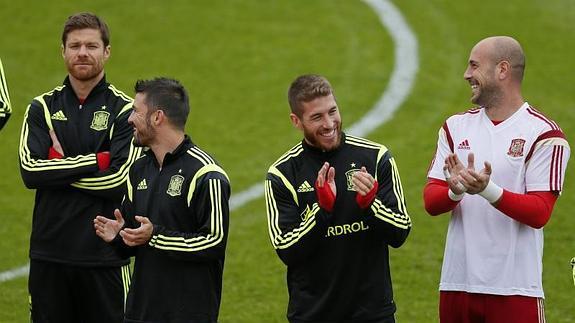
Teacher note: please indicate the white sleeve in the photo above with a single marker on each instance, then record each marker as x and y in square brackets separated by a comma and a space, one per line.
[436, 168]
[546, 169]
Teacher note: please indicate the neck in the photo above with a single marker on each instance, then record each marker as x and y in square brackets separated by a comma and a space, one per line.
[83, 88]
[505, 107]
[167, 143]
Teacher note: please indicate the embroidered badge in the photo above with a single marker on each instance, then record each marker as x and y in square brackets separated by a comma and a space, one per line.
[305, 214]
[175, 186]
[100, 120]
[516, 148]
[349, 177]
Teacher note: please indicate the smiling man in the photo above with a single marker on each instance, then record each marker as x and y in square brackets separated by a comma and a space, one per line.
[334, 205]
[492, 266]
[75, 151]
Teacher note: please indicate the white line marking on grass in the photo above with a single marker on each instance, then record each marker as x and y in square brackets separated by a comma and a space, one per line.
[400, 84]
[14, 273]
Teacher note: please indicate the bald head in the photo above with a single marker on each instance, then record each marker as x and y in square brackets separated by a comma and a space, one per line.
[504, 48]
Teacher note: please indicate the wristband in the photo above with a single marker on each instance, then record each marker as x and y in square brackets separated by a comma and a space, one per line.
[492, 192]
[364, 201]
[325, 196]
[54, 154]
[103, 159]
[455, 197]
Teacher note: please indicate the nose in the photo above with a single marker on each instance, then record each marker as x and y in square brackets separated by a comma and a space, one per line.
[467, 74]
[131, 118]
[83, 50]
[328, 122]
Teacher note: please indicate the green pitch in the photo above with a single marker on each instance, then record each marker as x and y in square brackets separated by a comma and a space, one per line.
[237, 59]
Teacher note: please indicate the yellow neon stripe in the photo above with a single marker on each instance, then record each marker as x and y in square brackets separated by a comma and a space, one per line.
[364, 142]
[387, 215]
[272, 211]
[4, 93]
[285, 240]
[288, 185]
[120, 93]
[397, 188]
[293, 152]
[130, 191]
[112, 180]
[204, 170]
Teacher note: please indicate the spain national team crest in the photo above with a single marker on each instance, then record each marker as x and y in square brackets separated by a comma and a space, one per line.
[349, 177]
[516, 148]
[175, 186]
[100, 120]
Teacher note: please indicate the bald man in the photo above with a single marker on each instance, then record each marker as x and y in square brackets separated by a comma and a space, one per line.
[498, 169]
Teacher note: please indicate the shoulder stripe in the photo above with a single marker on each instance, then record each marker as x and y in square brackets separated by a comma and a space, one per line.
[356, 141]
[200, 155]
[551, 137]
[293, 152]
[119, 93]
[201, 172]
[539, 115]
[448, 136]
[287, 184]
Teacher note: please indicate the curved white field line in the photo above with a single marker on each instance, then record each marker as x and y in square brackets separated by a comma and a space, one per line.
[400, 84]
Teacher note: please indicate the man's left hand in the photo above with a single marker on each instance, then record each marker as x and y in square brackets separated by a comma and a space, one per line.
[366, 187]
[138, 236]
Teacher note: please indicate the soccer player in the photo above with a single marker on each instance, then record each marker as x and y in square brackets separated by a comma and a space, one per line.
[75, 151]
[176, 211]
[499, 169]
[334, 205]
[5, 106]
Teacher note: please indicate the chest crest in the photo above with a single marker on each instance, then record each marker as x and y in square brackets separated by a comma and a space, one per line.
[175, 186]
[516, 148]
[349, 178]
[100, 120]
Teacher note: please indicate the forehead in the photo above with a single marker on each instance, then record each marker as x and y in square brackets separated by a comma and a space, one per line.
[321, 104]
[86, 35]
[140, 102]
[480, 52]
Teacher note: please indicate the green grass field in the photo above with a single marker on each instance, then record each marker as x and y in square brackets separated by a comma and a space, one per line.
[237, 59]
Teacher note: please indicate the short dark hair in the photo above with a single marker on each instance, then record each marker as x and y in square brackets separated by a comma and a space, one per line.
[306, 88]
[86, 20]
[168, 95]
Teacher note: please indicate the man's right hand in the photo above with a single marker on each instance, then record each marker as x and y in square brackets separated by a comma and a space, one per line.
[107, 229]
[325, 188]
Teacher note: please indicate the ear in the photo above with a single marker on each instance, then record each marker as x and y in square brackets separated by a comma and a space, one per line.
[107, 50]
[295, 121]
[158, 118]
[63, 49]
[503, 70]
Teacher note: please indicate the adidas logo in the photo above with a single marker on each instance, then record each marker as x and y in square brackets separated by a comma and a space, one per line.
[142, 185]
[464, 145]
[305, 187]
[59, 116]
